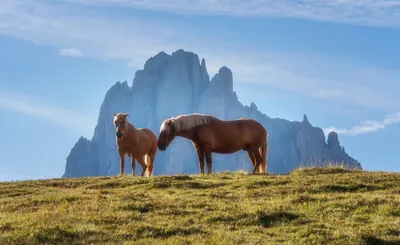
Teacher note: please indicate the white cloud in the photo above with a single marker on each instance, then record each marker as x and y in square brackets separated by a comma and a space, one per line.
[350, 85]
[110, 36]
[366, 126]
[361, 12]
[24, 104]
[72, 52]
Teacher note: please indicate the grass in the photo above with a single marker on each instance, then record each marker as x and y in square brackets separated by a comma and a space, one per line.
[307, 206]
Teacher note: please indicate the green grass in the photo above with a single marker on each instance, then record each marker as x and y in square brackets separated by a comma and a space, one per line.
[307, 206]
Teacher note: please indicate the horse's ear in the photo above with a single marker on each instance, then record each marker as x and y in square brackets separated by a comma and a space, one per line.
[125, 115]
[170, 124]
[114, 114]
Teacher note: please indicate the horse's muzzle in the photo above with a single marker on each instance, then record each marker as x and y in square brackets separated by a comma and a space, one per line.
[161, 147]
[118, 134]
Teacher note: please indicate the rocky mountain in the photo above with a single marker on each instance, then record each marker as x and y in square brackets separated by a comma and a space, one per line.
[179, 83]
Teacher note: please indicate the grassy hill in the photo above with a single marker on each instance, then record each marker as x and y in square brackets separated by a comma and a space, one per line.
[307, 206]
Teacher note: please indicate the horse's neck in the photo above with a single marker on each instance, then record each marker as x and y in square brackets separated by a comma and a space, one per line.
[185, 134]
[131, 129]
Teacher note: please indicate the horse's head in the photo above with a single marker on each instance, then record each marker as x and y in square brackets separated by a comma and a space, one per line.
[167, 134]
[121, 124]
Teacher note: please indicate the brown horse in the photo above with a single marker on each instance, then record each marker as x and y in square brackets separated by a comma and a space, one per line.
[210, 134]
[138, 144]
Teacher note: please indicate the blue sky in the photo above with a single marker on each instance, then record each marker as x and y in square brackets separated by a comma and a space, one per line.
[335, 60]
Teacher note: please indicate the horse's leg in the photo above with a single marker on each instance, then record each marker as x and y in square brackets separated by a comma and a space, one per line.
[121, 162]
[200, 156]
[260, 165]
[208, 161]
[143, 164]
[263, 150]
[251, 156]
[258, 159]
[150, 164]
[263, 153]
[261, 168]
[152, 154]
[133, 165]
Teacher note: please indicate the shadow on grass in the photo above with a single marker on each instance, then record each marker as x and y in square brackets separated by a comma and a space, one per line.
[371, 240]
[59, 235]
[55, 235]
[110, 185]
[263, 219]
[185, 185]
[266, 183]
[182, 177]
[223, 196]
[14, 193]
[6, 228]
[161, 232]
[141, 208]
[393, 232]
[270, 219]
[346, 188]
[64, 184]
[395, 212]
[303, 199]
[113, 221]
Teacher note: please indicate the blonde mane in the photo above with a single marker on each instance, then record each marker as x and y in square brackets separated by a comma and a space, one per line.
[189, 121]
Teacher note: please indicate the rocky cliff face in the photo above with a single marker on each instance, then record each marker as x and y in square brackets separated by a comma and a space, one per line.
[175, 84]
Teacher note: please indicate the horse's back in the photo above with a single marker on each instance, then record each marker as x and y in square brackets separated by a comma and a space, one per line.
[152, 137]
[149, 133]
[247, 124]
[252, 128]
[246, 129]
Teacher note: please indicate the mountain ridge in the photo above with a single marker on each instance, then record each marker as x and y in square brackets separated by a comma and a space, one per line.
[178, 83]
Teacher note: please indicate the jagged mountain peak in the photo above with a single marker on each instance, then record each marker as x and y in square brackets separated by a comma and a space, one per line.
[178, 83]
[305, 119]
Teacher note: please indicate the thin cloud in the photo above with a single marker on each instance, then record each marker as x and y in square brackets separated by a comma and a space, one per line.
[106, 36]
[343, 89]
[363, 12]
[71, 52]
[364, 127]
[24, 104]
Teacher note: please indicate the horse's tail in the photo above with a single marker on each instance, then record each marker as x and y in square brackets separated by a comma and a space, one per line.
[264, 153]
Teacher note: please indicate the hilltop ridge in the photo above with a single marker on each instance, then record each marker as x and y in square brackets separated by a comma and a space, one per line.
[307, 206]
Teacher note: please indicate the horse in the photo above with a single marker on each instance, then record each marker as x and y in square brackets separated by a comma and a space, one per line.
[139, 144]
[209, 134]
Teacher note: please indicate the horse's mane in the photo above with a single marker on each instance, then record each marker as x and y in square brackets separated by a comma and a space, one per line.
[189, 121]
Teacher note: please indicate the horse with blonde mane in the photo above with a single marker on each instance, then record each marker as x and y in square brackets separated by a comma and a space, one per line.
[139, 144]
[210, 134]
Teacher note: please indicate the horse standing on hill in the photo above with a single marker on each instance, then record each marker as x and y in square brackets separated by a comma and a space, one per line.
[139, 144]
[210, 134]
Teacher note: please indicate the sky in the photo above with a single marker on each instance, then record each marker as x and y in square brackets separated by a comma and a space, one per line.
[335, 60]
